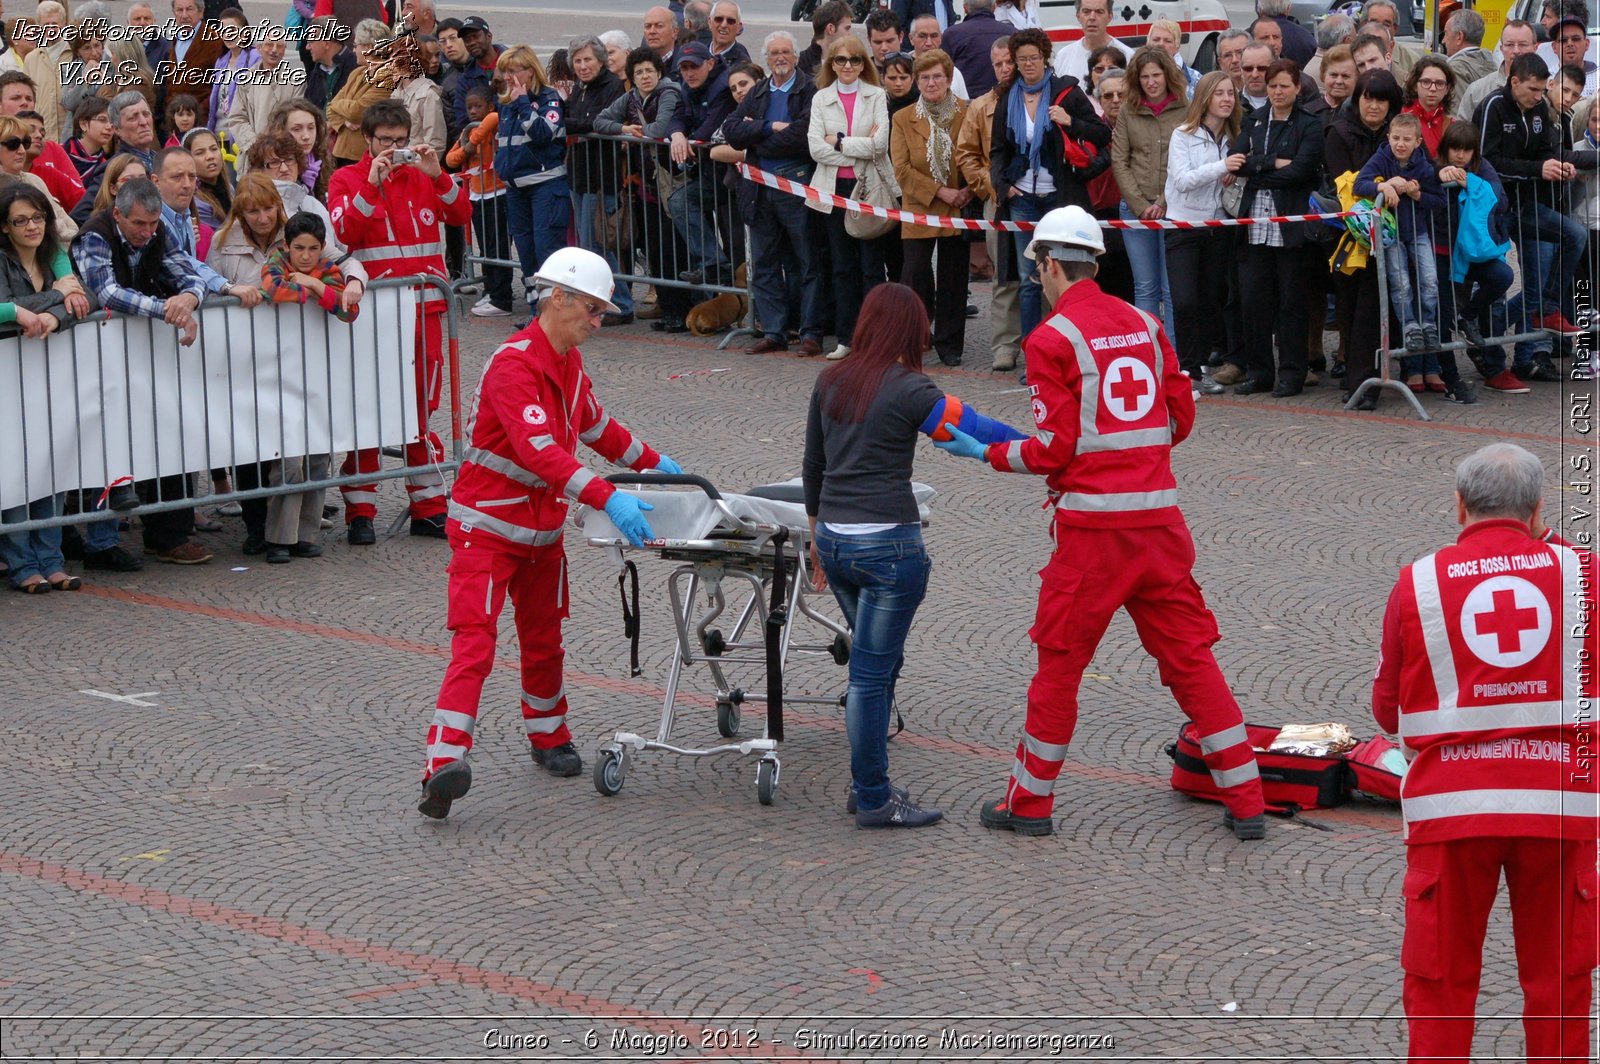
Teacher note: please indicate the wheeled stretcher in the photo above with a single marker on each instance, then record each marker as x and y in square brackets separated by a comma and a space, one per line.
[747, 556]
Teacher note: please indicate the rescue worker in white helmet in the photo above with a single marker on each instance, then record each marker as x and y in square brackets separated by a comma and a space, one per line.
[533, 406]
[1110, 402]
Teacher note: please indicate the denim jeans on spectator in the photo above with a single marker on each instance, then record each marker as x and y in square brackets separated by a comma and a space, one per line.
[100, 535]
[1147, 257]
[36, 553]
[1026, 208]
[1414, 294]
[783, 267]
[494, 242]
[587, 222]
[879, 580]
[690, 208]
[537, 217]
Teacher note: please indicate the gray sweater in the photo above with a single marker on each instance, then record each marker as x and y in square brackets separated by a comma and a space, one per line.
[860, 472]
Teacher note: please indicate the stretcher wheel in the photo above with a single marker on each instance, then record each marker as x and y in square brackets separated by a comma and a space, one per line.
[727, 719]
[766, 780]
[608, 773]
[840, 650]
[715, 643]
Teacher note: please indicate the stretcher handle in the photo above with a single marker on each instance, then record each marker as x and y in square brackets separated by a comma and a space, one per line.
[689, 479]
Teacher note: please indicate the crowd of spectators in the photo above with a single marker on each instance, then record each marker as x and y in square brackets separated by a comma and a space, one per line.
[143, 172]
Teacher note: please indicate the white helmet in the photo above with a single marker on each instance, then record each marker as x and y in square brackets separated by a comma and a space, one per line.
[577, 270]
[1067, 233]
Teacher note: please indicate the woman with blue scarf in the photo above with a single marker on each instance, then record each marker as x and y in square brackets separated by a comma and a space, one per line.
[1040, 119]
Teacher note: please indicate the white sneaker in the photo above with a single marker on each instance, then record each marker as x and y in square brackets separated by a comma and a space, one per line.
[487, 309]
[839, 353]
[485, 300]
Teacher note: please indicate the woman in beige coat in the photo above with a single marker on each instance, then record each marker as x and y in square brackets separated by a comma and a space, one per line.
[1156, 100]
[849, 133]
[922, 145]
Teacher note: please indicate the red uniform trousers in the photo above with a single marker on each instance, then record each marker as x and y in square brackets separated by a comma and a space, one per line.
[1555, 920]
[426, 490]
[1093, 573]
[480, 579]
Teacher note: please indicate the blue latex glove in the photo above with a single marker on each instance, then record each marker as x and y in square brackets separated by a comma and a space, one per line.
[667, 465]
[961, 445]
[627, 513]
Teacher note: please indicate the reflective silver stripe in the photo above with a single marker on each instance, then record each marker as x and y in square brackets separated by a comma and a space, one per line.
[445, 752]
[1435, 639]
[507, 468]
[449, 197]
[1090, 438]
[1014, 460]
[544, 725]
[1029, 782]
[545, 705]
[1232, 777]
[360, 203]
[1118, 501]
[514, 140]
[1484, 718]
[1042, 750]
[502, 502]
[427, 491]
[594, 432]
[449, 718]
[469, 519]
[398, 251]
[539, 443]
[1210, 744]
[631, 455]
[579, 480]
[1504, 802]
[1046, 437]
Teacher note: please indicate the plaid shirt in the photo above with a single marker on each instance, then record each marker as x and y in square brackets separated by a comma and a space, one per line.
[1269, 234]
[278, 288]
[92, 255]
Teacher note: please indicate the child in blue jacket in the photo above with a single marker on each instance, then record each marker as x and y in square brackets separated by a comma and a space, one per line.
[1401, 172]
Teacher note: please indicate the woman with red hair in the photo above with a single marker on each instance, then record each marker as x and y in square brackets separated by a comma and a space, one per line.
[866, 530]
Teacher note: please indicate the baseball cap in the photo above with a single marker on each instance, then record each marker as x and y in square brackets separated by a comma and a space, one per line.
[1568, 20]
[694, 52]
[474, 24]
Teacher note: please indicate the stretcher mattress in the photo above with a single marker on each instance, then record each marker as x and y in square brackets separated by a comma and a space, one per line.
[692, 514]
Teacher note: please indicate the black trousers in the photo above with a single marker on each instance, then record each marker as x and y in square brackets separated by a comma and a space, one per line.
[170, 528]
[1277, 307]
[1355, 298]
[1197, 270]
[856, 267]
[943, 289]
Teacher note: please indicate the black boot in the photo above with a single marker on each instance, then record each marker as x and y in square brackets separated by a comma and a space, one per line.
[560, 760]
[452, 781]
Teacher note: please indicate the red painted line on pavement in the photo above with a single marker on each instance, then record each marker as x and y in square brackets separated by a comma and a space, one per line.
[1081, 769]
[435, 969]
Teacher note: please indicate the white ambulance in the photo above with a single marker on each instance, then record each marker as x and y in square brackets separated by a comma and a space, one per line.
[1202, 22]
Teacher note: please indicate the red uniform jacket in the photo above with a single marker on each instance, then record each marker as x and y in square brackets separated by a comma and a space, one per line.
[1487, 674]
[534, 405]
[395, 231]
[1110, 402]
[54, 167]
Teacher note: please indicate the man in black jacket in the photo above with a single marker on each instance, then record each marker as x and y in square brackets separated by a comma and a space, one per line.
[1521, 139]
[707, 103]
[771, 125]
[968, 44]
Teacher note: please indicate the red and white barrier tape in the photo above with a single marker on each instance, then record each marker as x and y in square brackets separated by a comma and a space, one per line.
[940, 221]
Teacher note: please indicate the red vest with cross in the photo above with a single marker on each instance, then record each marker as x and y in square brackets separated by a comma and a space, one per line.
[1487, 673]
[1110, 402]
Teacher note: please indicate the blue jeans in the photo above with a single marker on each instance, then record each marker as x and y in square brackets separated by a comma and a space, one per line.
[879, 580]
[1147, 258]
[1030, 297]
[1549, 248]
[690, 209]
[784, 275]
[36, 553]
[537, 217]
[588, 204]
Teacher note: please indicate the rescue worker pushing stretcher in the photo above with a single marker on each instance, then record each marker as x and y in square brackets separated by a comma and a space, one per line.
[1110, 402]
[534, 405]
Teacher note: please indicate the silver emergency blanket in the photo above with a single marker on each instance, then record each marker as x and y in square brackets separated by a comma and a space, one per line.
[692, 514]
[1313, 740]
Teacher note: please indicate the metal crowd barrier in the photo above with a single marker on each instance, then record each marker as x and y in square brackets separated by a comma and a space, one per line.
[135, 413]
[672, 227]
[1500, 324]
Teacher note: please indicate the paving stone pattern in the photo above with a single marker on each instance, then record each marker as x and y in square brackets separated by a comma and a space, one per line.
[243, 861]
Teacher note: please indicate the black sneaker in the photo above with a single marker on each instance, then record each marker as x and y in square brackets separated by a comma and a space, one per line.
[1285, 388]
[306, 550]
[429, 527]
[278, 554]
[898, 812]
[1540, 369]
[254, 543]
[450, 782]
[996, 816]
[361, 533]
[122, 497]
[1469, 329]
[1246, 829]
[850, 802]
[112, 560]
[561, 760]
[1461, 392]
[1252, 385]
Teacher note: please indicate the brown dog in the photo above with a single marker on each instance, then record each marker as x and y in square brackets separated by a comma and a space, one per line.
[721, 311]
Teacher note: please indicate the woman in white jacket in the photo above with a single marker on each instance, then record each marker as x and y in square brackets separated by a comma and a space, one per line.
[1198, 168]
[849, 132]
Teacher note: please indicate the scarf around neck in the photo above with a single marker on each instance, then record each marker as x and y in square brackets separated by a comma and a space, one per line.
[941, 148]
[1017, 116]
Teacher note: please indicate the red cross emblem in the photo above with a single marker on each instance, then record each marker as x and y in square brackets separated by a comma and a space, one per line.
[1505, 621]
[1129, 389]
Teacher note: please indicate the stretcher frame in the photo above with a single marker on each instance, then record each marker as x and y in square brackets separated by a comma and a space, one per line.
[748, 553]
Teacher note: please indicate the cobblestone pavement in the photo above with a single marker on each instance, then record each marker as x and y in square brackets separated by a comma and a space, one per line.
[224, 859]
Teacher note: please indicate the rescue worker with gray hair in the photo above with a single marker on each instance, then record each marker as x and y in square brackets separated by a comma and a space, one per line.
[533, 406]
[1110, 403]
[1487, 675]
